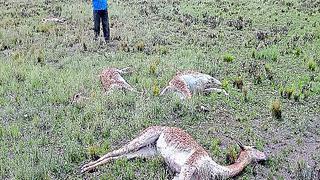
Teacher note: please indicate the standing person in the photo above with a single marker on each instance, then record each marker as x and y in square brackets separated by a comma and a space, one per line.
[100, 13]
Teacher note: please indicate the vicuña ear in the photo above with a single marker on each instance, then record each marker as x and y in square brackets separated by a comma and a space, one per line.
[241, 145]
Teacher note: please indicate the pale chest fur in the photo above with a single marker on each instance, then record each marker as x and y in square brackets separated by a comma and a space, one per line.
[174, 156]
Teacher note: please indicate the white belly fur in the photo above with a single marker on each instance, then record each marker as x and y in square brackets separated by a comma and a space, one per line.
[195, 81]
[175, 158]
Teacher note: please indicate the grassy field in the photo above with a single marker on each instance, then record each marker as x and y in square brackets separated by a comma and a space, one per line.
[272, 47]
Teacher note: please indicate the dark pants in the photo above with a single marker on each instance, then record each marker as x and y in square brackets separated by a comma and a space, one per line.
[101, 15]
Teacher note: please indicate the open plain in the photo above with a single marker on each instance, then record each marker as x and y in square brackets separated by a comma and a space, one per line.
[266, 54]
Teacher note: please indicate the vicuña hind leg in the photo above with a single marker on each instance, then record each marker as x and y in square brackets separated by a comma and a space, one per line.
[147, 137]
[144, 152]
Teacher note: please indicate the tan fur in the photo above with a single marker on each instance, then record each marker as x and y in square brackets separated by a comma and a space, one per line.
[181, 152]
[111, 79]
[180, 139]
[181, 86]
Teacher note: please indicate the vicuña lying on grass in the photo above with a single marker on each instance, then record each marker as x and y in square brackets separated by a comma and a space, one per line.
[187, 83]
[182, 154]
[111, 79]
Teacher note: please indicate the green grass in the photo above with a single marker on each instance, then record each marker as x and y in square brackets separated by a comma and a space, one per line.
[312, 65]
[228, 57]
[269, 53]
[44, 136]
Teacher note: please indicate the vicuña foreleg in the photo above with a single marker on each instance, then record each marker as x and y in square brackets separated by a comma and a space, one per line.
[126, 70]
[210, 90]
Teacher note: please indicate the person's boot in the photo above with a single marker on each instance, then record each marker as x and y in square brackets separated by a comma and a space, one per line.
[95, 38]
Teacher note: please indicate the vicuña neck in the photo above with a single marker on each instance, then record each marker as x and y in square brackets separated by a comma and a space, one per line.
[242, 161]
[233, 169]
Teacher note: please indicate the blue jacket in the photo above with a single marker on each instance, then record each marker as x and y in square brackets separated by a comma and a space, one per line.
[100, 4]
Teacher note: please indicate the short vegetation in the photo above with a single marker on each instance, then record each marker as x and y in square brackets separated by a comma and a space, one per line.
[260, 50]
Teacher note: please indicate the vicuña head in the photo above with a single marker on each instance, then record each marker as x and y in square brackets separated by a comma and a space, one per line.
[251, 153]
[182, 153]
[247, 155]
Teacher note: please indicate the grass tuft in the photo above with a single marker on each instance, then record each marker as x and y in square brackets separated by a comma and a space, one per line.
[238, 82]
[288, 92]
[228, 57]
[298, 51]
[215, 146]
[44, 27]
[40, 58]
[312, 65]
[296, 96]
[155, 89]
[93, 152]
[276, 109]
[269, 53]
[162, 50]
[232, 155]
[225, 84]
[154, 66]
[245, 93]
[140, 45]
[1, 132]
